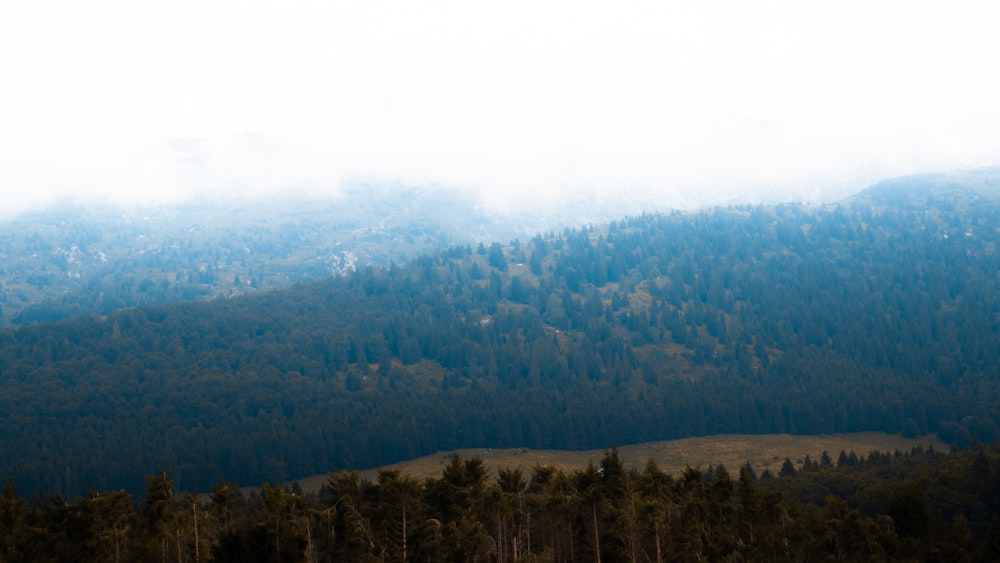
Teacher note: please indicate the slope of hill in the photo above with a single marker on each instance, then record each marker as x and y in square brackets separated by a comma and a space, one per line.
[778, 319]
[961, 190]
[85, 260]
[77, 260]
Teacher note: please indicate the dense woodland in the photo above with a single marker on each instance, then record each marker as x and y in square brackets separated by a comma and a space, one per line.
[914, 506]
[869, 315]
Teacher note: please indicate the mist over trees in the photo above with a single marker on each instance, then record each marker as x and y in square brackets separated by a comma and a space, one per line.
[70, 260]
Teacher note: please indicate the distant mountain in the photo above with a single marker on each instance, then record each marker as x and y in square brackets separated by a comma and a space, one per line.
[79, 261]
[962, 189]
[859, 316]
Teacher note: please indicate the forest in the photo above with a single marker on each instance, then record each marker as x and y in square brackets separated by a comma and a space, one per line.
[872, 314]
[920, 505]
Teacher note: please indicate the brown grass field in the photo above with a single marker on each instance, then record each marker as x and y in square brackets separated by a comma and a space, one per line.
[763, 451]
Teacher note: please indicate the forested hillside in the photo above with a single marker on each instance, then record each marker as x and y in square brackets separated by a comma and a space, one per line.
[84, 260]
[81, 260]
[869, 315]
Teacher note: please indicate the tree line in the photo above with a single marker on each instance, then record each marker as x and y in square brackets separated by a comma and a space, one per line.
[917, 505]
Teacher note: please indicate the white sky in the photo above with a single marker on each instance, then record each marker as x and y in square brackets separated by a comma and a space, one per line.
[678, 101]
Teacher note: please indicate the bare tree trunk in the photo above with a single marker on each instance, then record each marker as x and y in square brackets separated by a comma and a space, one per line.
[404, 533]
[572, 542]
[659, 548]
[527, 516]
[499, 542]
[597, 535]
[632, 515]
[197, 553]
[310, 548]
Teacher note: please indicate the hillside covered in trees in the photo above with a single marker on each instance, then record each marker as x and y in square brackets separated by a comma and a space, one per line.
[82, 260]
[88, 260]
[880, 313]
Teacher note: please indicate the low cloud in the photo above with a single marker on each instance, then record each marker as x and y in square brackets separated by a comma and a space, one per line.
[675, 105]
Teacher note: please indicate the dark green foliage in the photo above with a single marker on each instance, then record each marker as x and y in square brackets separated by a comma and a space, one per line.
[932, 507]
[787, 468]
[909, 509]
[496, 257]
[607, 512]
[13, 528]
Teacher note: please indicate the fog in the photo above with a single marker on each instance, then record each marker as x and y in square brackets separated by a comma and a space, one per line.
[680, 104]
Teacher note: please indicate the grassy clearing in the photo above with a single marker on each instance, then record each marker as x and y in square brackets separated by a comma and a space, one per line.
[763, 451]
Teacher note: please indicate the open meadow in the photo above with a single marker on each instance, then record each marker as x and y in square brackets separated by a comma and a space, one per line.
[762, 451]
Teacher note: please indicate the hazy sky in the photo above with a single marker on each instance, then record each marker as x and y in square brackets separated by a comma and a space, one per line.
[681, 102]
